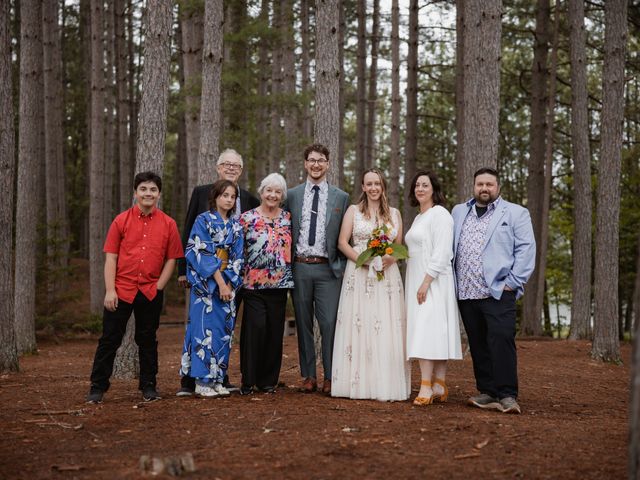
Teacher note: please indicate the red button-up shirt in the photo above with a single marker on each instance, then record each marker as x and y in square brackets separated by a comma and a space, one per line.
[143, 243]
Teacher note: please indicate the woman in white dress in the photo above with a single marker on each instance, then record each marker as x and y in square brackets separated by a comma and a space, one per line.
[369, 348]
[433, 332]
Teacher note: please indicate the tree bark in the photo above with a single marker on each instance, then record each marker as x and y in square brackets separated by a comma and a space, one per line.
[110, 119]
[8, 348]
[361, 95]
[411, 130]
[328, 72]
[210, 113]
[125, 185]
[152, 130]
[292, 128]
[341, 96]
[152, 122]
[305, 60]
[96, 160]
[540, 278]
[606, 345]
[262, 154]
[482, 30]
[57, 233]
[29, 150]
[462, 188]
[275, 133]
[394, 162]
[372, 100]
[536, 182]
[192, 38]
[582, 209]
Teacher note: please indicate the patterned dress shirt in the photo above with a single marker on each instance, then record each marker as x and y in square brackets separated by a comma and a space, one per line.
[319, 249]
[469, 268]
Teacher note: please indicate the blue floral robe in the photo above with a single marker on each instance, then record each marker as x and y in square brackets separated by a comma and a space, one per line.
[207, 343]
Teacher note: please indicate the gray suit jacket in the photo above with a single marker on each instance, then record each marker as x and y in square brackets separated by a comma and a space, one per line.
[337, 204]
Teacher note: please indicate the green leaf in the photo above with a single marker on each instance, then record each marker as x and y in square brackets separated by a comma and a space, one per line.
[364, 256]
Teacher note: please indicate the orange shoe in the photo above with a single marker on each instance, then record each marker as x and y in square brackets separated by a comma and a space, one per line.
[441, 397]
[420, 401]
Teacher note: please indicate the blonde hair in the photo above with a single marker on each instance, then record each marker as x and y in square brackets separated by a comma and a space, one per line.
[384, 211]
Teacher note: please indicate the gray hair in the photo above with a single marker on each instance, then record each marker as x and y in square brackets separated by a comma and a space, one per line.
[274, 180]
[231, 152]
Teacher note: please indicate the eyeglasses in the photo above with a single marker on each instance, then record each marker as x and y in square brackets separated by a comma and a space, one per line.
[230, 166]
[317, 161]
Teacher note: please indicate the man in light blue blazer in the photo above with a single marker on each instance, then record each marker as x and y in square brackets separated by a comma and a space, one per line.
[316, 211]
[494, 255]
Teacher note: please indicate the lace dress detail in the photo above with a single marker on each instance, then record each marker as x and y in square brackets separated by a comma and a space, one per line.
[369, 359]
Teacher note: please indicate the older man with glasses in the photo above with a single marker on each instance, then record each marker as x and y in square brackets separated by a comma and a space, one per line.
[229, 167]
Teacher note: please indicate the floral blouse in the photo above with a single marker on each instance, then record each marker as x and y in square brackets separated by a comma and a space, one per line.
[267, 250]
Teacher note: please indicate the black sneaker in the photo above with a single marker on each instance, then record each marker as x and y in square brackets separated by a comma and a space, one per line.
[149, 394]
[246, 390]
[185, 392]
[229, 386]
[268, 389]
[95, 396]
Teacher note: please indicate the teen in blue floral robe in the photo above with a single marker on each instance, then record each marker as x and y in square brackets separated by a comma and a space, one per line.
[214, 244]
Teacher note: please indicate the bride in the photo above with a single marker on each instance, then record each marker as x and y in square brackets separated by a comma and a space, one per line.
[369, 359]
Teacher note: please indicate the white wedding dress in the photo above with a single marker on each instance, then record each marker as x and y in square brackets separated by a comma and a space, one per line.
[369, 357]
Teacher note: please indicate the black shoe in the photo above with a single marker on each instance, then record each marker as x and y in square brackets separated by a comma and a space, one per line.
[268, 389]
[95, 396]
[185, 392]
[149, 394]
[229, 386]
[246, 390]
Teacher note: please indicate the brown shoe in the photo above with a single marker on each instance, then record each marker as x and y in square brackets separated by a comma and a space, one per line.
[326, 387]
[309, 385]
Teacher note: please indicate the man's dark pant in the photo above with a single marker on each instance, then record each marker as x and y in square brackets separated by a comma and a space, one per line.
[114, 325]
[491, 328]
[261, 336]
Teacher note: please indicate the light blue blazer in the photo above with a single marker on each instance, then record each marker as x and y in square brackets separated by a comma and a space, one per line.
[509, 252]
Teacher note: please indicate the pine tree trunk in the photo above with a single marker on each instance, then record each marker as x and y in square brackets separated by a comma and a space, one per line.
[192, 38]
[361, 95]
[581, 279]
[372, 100]
[151, 134]
[328, 71]
[262, 154]
[29, 149]
[210, 113]
[125, 185]
[8, 348]
[57, 234]
[606, 345]
[462, 188]
[134, 84]
[482, 30]
[110, 120]
[532, 307]
[96, 160]
[341, 97]
[292, 131]
[394, 163]
[305, 60]
[543, 246]
[275, 134]
[411, 129]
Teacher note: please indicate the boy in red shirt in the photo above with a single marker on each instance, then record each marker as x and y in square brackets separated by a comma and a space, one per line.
[141, 249]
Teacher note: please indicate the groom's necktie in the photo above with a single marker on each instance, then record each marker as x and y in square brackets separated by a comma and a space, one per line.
[314, 215]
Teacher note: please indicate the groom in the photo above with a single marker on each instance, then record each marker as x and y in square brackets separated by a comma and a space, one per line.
[316, 210]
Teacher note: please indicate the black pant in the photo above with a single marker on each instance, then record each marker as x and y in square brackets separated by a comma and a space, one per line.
[261, 336]
[491, 328]
[189, 382]
[114, 325]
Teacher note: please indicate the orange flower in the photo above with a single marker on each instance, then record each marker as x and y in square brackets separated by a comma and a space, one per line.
[374, 243]
[388, 250]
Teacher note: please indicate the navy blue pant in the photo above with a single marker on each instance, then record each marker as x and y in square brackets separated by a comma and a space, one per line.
[114, 324]
[491, 329]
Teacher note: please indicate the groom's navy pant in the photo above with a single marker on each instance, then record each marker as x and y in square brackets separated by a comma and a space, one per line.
[491, 329]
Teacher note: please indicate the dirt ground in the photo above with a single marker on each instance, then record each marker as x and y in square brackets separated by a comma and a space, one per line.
[574, 423]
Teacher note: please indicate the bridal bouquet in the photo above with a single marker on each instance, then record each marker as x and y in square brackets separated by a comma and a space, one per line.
[380, 244]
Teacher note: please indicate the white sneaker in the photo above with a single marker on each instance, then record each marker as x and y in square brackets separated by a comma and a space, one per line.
[205, 390]
[221, 390]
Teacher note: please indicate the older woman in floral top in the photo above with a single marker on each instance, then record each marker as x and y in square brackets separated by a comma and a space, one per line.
[267, 279]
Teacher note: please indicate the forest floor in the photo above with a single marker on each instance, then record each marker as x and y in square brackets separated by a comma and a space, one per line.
[573, 425]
